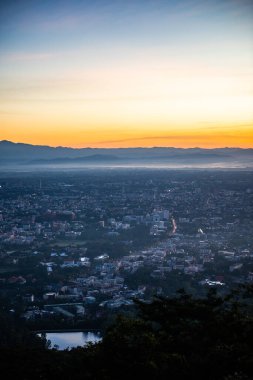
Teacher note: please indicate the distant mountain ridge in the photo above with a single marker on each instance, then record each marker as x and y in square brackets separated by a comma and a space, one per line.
[91, 158]
[27, 154]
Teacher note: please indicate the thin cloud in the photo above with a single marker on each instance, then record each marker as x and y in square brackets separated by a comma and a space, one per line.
[183, 137]
[169, 137]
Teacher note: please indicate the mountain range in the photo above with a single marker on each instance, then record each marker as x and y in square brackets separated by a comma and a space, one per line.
[27, 154]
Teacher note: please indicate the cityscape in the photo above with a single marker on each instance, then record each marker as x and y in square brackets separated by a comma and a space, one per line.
[76, 247]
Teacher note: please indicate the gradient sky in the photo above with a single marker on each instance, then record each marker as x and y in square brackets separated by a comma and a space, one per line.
[104, 73]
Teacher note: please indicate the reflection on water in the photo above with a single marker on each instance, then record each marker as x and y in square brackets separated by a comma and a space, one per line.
[63, 340]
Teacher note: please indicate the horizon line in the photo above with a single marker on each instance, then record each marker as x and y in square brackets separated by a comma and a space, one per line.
[128, 147]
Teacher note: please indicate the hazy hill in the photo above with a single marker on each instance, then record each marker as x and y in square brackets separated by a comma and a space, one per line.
[26, 154]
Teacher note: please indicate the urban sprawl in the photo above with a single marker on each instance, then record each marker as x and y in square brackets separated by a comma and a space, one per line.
[79, 247]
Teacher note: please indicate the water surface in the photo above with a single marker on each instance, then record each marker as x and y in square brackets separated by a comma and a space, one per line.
[63, 340]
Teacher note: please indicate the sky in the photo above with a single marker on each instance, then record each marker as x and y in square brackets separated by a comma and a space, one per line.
[135, 73]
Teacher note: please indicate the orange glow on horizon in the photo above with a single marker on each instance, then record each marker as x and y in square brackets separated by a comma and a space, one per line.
[214, 137]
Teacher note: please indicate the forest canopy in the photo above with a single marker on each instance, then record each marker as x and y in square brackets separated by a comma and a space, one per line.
[169, 338]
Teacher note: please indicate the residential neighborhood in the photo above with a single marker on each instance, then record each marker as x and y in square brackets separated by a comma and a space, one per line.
[76, 248]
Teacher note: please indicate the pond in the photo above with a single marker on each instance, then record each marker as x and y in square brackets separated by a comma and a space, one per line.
[63, 340]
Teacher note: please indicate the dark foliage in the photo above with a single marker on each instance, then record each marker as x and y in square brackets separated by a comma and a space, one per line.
[170, 338]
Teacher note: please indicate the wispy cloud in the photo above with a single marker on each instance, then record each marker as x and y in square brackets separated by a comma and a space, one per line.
[189, 136]
[161, 137]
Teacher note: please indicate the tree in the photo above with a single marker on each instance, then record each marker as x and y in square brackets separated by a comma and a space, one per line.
[175, 338]
[183, 338]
